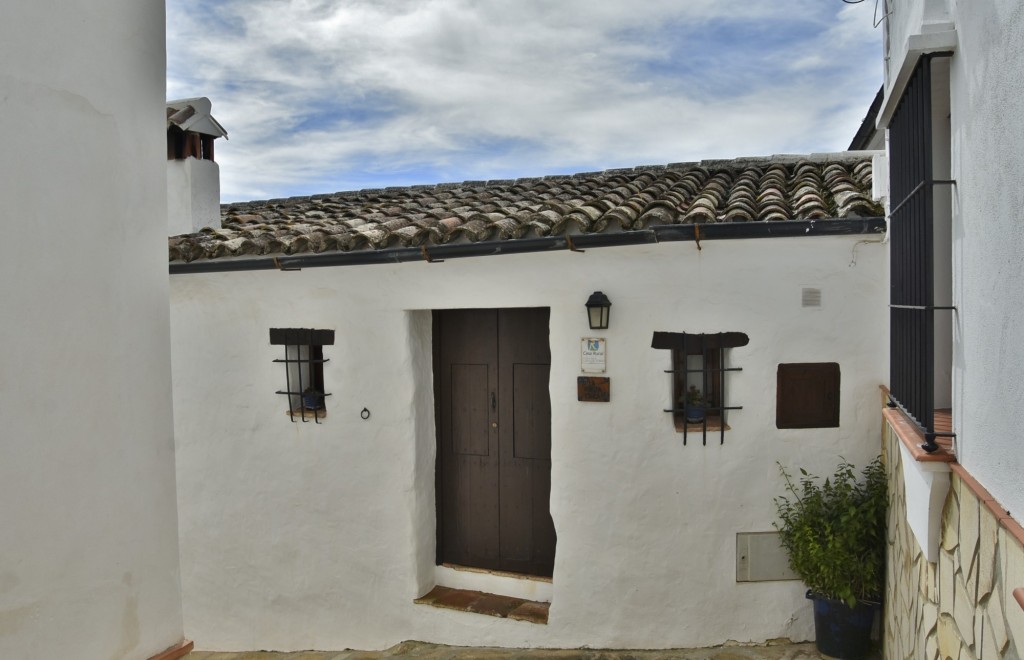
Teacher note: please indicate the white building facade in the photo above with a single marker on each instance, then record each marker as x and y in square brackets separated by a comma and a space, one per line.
[321, 533]
[957, 560]
[88, 547]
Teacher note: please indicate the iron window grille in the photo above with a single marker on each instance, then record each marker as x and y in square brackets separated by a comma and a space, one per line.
[304, 370]
[697, 372]
[912, 236]
[699, 364]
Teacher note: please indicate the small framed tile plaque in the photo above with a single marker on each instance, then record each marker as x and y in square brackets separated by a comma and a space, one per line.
[593, 388]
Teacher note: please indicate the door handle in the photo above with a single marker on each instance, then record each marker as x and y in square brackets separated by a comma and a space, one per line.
[494, 402]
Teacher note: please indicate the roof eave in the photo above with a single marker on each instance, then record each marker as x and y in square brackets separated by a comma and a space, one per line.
[576, 243]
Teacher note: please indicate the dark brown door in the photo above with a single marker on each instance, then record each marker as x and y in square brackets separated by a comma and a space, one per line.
[494, 439]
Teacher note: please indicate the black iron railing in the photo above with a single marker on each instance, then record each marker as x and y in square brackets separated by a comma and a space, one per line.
[912, 269]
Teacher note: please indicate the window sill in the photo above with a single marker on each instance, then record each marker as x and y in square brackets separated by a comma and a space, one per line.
[714, 423]
[920, 466]
[307, 414]
[912, 438]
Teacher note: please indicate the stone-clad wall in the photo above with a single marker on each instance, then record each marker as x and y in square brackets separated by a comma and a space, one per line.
[911, 598]
[962, 606]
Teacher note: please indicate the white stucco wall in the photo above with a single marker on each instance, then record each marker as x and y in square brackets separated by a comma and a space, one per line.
[88, 543]
[987, 89]
[908, 21]
[193, 195]
[911, 28]
[299, 536]
[986, 119]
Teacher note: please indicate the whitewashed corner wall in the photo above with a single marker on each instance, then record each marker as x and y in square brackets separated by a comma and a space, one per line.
[987, 93]
[88, 547]
[986, 121]
[298, 535]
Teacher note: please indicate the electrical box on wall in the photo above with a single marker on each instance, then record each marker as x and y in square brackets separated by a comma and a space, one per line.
[760, 557]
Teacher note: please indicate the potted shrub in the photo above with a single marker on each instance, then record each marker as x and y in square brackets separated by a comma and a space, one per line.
[835, 535]
[695, 405]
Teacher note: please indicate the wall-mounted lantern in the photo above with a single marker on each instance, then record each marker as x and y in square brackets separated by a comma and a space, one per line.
[598, 309]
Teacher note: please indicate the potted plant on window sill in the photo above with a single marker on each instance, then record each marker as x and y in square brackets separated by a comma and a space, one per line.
[312, 400]
[695, 405]
[835, 536]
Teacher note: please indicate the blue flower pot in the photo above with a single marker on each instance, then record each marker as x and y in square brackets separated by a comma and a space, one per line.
[841, 631]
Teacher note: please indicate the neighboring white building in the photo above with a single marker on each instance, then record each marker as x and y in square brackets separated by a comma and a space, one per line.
[88, 537]
[319, 528]
[954, 107]
[193, 176]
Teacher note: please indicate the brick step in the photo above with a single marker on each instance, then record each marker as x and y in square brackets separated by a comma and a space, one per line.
[479, 602]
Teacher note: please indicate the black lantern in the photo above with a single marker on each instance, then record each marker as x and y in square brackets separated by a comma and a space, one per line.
[598, 309]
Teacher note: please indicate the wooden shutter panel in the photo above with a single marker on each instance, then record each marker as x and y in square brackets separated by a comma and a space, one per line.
[807, 396]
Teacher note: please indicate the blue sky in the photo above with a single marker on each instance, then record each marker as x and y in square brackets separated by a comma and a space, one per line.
[326, 95]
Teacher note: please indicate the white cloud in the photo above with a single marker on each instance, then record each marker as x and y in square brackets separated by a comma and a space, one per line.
[323, 95]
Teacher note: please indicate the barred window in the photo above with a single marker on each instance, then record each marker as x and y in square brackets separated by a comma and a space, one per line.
[304, 370]
[697, 386]
[699, 368]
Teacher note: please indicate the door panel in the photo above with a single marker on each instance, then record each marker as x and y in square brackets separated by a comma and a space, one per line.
[470, 415]
[474, 538]
[531, 422]
[525, 483]
[468, 461]
[493, 507]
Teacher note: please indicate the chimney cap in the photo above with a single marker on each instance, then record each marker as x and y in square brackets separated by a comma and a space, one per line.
[193, 115]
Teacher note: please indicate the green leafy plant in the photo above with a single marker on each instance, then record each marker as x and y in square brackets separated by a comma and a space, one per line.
[694, 396]
[835, 532]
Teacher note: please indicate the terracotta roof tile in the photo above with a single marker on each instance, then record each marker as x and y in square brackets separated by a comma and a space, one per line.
[814, 187]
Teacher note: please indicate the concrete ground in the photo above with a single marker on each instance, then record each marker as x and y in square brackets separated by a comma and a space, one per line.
[424, 651]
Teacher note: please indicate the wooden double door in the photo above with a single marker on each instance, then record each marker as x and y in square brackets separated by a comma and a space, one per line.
[494, 439]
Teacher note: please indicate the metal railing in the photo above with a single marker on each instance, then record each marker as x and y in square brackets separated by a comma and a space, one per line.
[912, 268]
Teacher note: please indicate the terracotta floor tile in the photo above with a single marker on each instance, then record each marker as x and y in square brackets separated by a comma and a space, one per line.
[432, 595]
[479, 602]
[531, 611]
[453, 599]
[493, 605]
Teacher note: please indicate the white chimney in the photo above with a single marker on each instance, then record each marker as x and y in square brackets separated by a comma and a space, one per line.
[193, 177]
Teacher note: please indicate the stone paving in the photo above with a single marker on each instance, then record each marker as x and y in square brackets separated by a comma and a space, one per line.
[424, 651]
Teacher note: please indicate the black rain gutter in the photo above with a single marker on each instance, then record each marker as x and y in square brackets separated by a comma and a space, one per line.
[867, 126]
[576, 243]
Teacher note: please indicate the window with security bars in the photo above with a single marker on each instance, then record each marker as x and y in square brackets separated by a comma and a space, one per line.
[697, 382]
[304, 370]
[699, 368]
[920, 233]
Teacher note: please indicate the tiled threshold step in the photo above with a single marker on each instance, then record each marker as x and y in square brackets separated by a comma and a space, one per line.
[479, 602]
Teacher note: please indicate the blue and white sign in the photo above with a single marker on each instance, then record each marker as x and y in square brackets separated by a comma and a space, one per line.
[593, 355]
